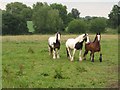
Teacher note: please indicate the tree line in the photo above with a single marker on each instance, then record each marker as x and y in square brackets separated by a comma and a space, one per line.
[52, 18]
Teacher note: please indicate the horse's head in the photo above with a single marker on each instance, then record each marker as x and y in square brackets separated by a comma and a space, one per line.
[86, 38]
[83, 37]
[58, 35]
[98, 36]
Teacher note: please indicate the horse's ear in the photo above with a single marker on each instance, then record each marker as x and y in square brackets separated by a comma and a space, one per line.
[98, 33]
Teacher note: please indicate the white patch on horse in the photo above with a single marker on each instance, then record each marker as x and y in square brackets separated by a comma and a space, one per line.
[75, 44]
[88, 40]
[54, 45]
[98, 37]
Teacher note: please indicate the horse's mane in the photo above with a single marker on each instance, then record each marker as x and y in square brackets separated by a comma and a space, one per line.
[56, 36]
[79, 38]
[95, 38]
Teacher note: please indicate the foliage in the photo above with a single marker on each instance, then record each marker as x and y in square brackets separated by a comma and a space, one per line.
[30, 26]
[46, 19]
[62, 12]
[77, 26]
[98, 24]
[19, 9]
[13, 25]
[75, 13]
[114, 17]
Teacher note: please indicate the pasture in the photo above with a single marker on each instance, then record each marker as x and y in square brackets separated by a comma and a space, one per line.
[27, 64]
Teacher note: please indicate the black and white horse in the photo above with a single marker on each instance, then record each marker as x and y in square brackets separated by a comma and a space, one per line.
[76, 44]
[54, 45]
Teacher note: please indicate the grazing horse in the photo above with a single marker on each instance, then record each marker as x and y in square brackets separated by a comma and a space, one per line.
[93, 47]
[76, 44]
[54, 45]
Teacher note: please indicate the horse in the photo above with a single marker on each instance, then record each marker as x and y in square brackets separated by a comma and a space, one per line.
[54, 45]
[76, 44]
[93, 47]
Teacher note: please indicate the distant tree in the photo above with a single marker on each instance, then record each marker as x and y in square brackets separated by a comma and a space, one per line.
[98, 24]
[75, 13]
[114, 16]
[19, 9]
[13, 25]
[62, 12]
[46, 19]
[69, 17]
[77, 26]
[88, 18]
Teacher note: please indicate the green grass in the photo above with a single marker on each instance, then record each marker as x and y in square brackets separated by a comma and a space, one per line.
[30, 26]
[26, 63]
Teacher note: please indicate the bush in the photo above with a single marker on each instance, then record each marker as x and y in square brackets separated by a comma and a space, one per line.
[13, 25]
[77, 26]
[98, 25]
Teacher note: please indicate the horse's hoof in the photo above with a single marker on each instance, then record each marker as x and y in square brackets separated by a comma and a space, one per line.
[58, 57]
[54, 57]
[80, 59]
[71, 60]
[84, 58]
[92, 61]
[100, 60]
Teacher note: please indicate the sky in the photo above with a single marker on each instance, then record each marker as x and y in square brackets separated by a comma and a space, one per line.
[100, 8]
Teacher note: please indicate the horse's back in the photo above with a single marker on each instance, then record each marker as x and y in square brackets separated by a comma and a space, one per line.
[70, 43]
[91, 46]
[51, 40]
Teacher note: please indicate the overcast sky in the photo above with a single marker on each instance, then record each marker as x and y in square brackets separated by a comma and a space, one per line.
[86, 7]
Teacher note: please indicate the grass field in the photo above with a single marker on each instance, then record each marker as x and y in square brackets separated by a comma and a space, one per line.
[26, 63]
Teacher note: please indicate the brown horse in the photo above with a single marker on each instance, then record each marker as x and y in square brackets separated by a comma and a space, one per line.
[93, 47]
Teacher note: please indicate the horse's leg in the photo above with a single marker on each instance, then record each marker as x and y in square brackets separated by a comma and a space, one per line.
[54, 53]
[68, 50]
[92, 57]
[100, 57]
[58, 53]
[85, 53]
[80, 58]
[49, 50]
[73, 55]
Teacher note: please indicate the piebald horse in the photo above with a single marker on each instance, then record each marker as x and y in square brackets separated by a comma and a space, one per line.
[54, 45]
[93, 47]
[76, 44]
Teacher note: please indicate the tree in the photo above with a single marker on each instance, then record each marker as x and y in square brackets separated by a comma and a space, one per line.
[75, 13]
[114, 16]
[19, 9]
[46, 19]
[98, 24]
[77, 26]
[13, 25]
[62, 12]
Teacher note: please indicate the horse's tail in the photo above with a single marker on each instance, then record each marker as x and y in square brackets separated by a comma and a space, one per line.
[67, 53]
